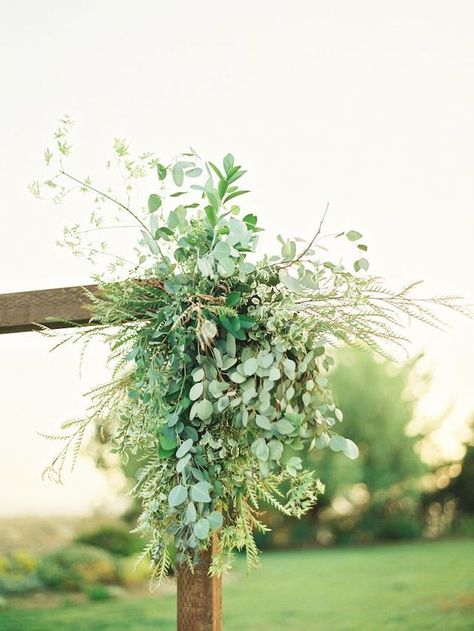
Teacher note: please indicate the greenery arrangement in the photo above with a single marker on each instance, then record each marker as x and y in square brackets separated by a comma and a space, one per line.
[220, 356]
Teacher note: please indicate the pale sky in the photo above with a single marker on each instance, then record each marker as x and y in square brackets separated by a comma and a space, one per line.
[367, 105]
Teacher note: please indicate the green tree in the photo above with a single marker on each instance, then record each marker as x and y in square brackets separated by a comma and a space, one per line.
[378, 399]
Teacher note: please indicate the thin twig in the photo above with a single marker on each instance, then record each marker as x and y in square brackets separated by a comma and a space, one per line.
[306, 250]
[111, 199]
[106, 228]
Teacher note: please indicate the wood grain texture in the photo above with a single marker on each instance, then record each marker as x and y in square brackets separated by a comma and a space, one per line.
[20, 311]
[199, 604]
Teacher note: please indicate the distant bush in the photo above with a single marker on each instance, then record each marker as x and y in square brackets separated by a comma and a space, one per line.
[115, 540]
[402, 526]
[17, 573]
[104, 592]
[464, 526]
[19, 584]
[98, 592]
[77, 566]
[133, 573]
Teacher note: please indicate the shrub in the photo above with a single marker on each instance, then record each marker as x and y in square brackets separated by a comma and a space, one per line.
[104, 592]
[115, 540]
[19, 584]
[17, 573]
[401, 526]
[133, 572]
[98, 592]
[77, 566]
[464, 526]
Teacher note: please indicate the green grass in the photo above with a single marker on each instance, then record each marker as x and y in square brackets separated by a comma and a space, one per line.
[407, 586]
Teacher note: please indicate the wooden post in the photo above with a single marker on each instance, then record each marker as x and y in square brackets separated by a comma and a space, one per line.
[199, 601]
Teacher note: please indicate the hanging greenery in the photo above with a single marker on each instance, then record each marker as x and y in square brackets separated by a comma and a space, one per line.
[220, 357]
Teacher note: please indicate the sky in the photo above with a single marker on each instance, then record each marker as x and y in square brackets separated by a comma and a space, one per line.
[367, 105]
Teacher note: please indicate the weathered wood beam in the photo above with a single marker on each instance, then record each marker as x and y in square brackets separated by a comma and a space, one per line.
[20, 311]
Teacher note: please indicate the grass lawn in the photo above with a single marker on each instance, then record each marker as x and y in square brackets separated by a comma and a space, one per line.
[405, 586]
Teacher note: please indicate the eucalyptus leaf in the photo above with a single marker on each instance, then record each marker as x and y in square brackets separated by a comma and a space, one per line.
[200, 492]
[178, 174]
[262, 451]
[284, 426]
[190, 514]
[274, 374]
[353, 235]
[350, 449]
[201, 528]
[215, 520]
[154, 202]
[196, 391]
[250, 366]
[177, 495]
[263, 422]
[182, 463]
[198, 374]
[204, 409]
[184, 448]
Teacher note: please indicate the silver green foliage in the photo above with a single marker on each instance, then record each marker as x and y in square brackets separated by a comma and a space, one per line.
[220, 358]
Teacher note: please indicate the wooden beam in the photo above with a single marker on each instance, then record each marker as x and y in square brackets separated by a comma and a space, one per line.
[20, 311]
[199, 603]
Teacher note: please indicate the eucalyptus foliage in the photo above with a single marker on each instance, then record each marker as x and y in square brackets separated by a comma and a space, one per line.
[220, 356]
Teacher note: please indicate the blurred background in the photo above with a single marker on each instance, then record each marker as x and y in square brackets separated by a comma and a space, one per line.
[366, 105]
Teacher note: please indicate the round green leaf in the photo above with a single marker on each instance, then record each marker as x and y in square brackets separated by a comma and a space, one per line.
[226, 267]
[236, 377]
[263, 422]
[223, 403]
[198, 374]
[276, 449]
[201, 528]
[250, 367]
[200, 492]
[351, 450]
[284, 426]
[178, 175]
[221, 250]
[168, 440]
[177, 495]
[204, 409]
[196, 391]
[215, 520]
[353, 235]
[182, 462]
[274, 374]
[190, 514]
[154, 202]
[337, 443]
[266, 360]
[184, 448]
[261, 449]
[289, 367]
